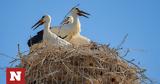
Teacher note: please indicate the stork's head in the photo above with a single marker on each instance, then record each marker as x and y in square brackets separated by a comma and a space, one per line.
[79, 12]
[68, 20]
[44, 19]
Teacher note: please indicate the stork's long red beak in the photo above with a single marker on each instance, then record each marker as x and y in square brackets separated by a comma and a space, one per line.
[39, 23]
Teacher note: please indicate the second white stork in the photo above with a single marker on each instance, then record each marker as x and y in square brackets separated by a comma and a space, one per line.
[72, 30]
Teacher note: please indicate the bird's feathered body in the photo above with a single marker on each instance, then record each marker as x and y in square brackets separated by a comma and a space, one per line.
[78, 40]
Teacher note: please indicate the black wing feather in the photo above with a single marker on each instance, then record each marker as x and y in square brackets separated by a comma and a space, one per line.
[35, 39]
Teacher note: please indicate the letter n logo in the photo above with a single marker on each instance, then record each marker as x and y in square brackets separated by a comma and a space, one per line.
[15, 76]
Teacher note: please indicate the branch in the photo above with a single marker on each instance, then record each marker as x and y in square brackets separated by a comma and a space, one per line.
[122, 42]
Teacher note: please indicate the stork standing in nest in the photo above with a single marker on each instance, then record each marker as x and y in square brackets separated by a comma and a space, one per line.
[76, 38]
[72, 30]
[39, 37]
[49, 36]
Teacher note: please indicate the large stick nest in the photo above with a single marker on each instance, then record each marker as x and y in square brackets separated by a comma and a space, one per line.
[89, 64]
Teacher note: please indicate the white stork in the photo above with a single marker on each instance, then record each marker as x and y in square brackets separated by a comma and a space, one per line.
[47, 34]
[72, 30]
[39, 37]
[77, 39]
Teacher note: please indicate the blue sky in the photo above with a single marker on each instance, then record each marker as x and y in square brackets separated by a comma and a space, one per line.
[110, 20]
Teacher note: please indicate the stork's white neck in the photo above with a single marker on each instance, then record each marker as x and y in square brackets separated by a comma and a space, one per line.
[76, 23]
[47, 25]
[75, 17]
[47, 30]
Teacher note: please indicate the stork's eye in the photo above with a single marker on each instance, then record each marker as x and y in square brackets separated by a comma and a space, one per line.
[77, 9]
[43, 17]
